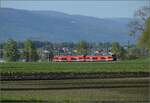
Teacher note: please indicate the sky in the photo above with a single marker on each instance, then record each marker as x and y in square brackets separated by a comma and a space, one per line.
[97, 8]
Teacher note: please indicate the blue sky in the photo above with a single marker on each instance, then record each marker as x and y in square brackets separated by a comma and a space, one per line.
[101, 9]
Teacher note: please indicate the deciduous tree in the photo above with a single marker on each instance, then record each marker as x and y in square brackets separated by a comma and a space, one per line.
[10, 50]
[144, 40]
[30, 51]
[137, 25]
[82, 47]
[118, 50]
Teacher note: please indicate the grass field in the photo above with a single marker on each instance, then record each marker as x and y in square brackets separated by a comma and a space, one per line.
[112, 90]
[125, 90]
[141, 65]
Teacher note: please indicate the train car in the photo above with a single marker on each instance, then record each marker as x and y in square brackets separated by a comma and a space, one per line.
[87, 58]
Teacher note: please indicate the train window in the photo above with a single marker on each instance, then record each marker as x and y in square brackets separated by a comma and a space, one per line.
[87, 57]
[80, 58]
[63, 58]
[102, 57]
[73, 59]
[94, 58]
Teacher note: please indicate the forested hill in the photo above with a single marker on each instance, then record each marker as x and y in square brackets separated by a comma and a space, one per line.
[57, 26]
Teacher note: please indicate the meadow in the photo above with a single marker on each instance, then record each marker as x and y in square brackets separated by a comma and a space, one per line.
[126, 90]
[141, 65]
[98, 90]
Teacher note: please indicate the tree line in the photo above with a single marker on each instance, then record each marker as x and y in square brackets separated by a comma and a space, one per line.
[31, 51]
[11, 51]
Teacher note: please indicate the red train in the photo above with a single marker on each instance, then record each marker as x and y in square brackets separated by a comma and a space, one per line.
[83, 58]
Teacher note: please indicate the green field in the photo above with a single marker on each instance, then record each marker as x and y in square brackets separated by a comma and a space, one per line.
[125, 90]
[110, 90]
[141, 65]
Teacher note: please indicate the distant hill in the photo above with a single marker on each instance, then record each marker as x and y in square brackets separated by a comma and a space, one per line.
[56, 26]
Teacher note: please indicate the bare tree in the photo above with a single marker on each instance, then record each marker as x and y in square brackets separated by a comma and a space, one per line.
[137, 25]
